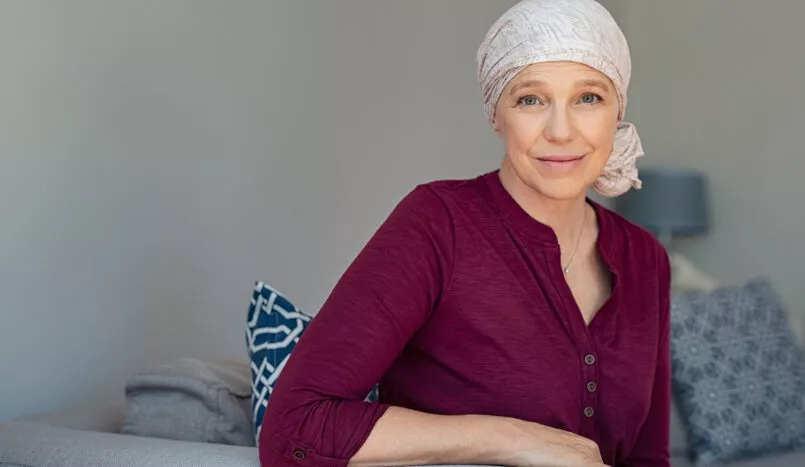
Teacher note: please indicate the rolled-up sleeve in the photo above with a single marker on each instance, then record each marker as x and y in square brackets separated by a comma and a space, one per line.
[316, 415]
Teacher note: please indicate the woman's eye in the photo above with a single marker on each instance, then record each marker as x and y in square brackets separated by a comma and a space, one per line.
[529, 100]
[590, 98]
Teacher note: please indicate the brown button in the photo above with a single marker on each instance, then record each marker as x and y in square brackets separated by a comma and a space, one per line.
[299, 454]
[589, 359]
[589, 412]
[591, 387]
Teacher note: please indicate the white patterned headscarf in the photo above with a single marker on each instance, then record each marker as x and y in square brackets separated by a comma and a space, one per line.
[536, 31]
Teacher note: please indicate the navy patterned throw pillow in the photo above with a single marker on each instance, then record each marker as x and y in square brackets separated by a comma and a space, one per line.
[738, 373]
[273, 328]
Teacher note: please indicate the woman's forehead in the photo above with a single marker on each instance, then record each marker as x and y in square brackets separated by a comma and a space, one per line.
[568, 68]
[564, 72]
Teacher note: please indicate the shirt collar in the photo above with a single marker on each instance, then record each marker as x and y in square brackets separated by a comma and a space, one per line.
[517, 219]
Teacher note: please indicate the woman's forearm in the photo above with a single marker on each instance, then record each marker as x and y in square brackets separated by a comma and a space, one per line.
[406, 437]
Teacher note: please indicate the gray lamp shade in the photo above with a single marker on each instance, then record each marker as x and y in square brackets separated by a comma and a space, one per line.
[671, 202]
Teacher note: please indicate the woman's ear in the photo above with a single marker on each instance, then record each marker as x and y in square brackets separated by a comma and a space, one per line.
[496, 127]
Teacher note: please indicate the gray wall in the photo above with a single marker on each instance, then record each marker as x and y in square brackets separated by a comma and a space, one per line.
[717, 85]
[159, 157]
[156, 158]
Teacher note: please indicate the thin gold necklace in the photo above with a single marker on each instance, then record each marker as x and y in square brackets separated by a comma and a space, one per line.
[566, 268]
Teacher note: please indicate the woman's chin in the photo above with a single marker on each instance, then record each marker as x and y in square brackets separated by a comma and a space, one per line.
[554, 184]
[564, 188]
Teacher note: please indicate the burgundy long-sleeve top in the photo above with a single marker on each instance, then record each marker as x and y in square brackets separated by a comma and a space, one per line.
[458, 305]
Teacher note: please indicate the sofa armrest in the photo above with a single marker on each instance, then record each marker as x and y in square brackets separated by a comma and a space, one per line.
[106, 417]
[39, 445]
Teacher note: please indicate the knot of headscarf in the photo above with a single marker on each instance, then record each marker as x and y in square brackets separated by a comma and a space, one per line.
[536, 31]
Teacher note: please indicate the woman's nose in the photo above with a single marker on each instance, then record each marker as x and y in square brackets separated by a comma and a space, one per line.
[559, 126]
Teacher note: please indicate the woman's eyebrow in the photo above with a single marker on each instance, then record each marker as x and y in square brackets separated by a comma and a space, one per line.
[526, 84]
[594, 83]
[590, 82]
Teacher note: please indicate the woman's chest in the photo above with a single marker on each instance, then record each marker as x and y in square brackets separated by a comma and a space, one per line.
[520, 347]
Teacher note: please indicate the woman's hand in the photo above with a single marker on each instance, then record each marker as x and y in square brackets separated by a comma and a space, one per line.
[535, 445]
[574, 450]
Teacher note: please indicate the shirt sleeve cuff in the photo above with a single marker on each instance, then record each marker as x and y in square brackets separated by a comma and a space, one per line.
[303, 455]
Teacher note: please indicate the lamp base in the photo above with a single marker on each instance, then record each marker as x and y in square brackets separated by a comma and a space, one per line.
[685, 276]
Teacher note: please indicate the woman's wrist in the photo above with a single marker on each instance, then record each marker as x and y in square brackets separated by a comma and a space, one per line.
[525, 444]
[521, 442]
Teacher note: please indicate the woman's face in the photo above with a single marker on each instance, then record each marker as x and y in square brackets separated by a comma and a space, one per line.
[558, 122]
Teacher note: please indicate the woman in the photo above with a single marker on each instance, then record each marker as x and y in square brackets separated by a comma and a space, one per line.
[509, 319]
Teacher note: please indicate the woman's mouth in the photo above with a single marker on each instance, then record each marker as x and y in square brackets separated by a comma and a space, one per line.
[560, 163]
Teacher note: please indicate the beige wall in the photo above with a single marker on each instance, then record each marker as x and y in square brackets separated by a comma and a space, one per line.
[718, 86]
[159, 157]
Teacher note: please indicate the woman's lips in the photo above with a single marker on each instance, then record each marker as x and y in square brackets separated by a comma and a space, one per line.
[560, 163]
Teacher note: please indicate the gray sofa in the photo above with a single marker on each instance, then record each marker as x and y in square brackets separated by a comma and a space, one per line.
[90, 436]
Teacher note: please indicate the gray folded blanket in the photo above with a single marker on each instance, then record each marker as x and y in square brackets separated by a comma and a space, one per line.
[191, 400]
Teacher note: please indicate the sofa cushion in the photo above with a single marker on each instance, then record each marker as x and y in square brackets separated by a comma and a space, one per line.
[738, 374]
[191, 400]
[41, 445]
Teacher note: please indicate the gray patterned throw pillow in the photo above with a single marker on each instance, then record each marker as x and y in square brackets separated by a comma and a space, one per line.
[738, 373]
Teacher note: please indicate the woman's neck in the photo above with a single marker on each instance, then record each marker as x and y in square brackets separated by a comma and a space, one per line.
[565, 216]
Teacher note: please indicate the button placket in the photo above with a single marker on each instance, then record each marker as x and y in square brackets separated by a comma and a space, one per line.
[590, 390]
